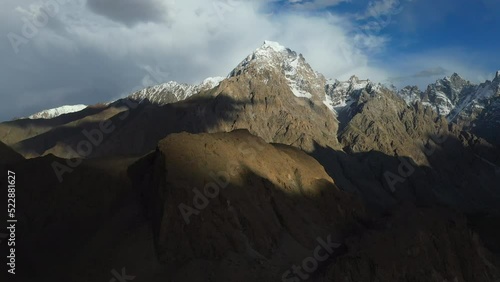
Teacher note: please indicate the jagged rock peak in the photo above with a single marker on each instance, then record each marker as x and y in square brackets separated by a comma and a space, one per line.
[354, 78]
[274, 58]
[455, 78]
[173, 91]
[271, 55]
[341, 94]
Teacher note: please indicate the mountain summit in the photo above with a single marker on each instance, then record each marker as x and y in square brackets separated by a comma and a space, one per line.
[273, 57]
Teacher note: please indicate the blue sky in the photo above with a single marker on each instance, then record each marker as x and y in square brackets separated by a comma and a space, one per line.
[470, 29]
[465, 32]
[90, 51]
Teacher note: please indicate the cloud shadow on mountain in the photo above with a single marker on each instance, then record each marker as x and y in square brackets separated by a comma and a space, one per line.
[461, 176]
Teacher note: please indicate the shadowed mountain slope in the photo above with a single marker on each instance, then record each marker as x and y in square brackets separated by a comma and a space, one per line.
[8, 155]
[272, 205]
[265, 207]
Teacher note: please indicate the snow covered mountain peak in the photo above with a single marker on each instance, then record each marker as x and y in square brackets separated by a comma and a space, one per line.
[173, 91]
[55, 112]
[456, 76]
[356, 83]
[273, 45]
[211, 82]
[269, 55]
[455, 80]
[341, 94]
[272, 57]
[454, 97]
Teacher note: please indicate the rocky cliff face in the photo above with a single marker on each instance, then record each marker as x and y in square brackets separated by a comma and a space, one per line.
[447, 93]
[397, 152]
[381, 121]
[341, 94]
[469, 105]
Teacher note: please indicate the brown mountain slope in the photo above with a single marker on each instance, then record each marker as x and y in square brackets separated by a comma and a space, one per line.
[261, 202]
[270, 204]
[54, 141]
[270, 111]
[397, 152]
[383, 122]
[14, 131]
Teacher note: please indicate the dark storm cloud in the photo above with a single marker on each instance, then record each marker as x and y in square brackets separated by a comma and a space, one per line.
[129, 12]
[432, 72]
[33, 81]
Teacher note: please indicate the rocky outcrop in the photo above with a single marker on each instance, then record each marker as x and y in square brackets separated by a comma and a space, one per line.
[381, 121]
[213, 195]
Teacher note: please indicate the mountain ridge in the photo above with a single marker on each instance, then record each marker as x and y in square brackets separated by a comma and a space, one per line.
[450, 96]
